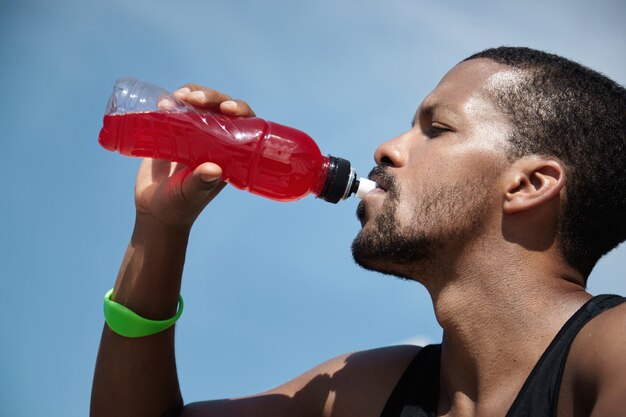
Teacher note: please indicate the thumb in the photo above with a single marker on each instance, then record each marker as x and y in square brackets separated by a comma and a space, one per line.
[205, 178]
[208, 172]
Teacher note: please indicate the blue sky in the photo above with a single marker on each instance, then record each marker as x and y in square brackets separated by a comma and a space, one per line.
[270, 288]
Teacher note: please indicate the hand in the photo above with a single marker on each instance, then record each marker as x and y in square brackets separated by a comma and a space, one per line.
[171, 193]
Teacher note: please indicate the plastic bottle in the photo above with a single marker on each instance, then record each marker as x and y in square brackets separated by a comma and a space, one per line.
[262, 157]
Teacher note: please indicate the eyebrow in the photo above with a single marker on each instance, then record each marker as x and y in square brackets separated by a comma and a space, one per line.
[430, 108]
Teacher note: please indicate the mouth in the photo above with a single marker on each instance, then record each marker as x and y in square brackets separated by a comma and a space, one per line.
[384, 183]
[382, 179]
[380, 187]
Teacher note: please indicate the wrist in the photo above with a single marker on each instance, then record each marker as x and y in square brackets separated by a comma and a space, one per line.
[149, 225]
[150, 276]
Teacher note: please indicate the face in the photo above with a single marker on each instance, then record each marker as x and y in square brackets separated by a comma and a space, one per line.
[438, 182]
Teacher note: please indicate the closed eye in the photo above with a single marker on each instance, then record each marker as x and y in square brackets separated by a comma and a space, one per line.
[436, 129]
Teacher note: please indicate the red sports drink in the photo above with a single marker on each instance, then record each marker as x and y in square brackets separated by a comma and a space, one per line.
[265, 158]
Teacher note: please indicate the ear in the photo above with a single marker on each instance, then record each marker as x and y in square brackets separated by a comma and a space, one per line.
[531, 182]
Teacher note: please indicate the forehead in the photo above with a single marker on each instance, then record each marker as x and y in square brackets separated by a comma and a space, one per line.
[464, 90]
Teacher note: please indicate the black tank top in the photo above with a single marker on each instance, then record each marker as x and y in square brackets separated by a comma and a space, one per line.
[417, 391]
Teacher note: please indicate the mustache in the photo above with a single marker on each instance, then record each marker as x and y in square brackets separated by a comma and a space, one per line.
[383, 178]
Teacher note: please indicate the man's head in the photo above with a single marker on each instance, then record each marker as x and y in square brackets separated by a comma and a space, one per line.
[561, 122]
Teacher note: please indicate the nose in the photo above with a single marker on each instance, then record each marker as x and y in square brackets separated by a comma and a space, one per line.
[391, 153]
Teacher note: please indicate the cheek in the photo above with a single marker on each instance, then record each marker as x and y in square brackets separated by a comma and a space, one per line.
[405, 216]
[460, 164]
[407, 205]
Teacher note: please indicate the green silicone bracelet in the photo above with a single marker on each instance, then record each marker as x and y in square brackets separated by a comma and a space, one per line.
[127, 323]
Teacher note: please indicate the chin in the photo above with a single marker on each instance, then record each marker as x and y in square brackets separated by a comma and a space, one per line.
[383, 267]
[386, 250]
[376, 257]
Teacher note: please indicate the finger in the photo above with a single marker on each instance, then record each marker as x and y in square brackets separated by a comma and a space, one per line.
[209, 172]
[182, 92]
[236, 108]
[201, 97]
[205, 181]
[166, 104]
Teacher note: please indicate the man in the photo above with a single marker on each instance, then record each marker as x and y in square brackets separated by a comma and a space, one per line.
[499, 200]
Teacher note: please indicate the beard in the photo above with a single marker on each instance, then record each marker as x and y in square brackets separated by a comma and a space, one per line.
[447, 214]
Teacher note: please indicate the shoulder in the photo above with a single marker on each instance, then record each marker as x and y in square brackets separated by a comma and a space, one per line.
[597, 361]
[354, 384]
[602, 341]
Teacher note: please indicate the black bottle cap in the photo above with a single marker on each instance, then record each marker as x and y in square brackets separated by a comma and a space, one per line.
[337, 180]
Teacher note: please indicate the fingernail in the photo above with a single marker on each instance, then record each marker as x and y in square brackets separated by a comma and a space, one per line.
[230, 104]
[199, 95]
[207, 178]
[182, 91]
[166, 104]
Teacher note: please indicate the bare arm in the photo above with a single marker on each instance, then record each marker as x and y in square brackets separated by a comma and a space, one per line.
[351, 385]
[595, 373]
[137, 377]
[607, 352]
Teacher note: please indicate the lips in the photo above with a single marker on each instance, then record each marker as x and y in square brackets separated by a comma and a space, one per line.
[385, 182]
[381, 182]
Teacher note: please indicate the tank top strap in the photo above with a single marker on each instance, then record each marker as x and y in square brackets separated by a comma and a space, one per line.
[417, 391]
[539, 394]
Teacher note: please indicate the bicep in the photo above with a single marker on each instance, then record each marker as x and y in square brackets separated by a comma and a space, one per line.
[610, 401]
[305, 395]
[277, 405]
[601, 364]
[611, 380]
[356, 384]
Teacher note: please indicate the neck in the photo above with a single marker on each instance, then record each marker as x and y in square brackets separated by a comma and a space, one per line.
[498, 318]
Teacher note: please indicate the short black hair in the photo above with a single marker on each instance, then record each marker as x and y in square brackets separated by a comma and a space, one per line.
[566, 110]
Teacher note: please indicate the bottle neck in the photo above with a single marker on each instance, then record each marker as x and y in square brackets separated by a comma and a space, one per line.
[336, 180]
